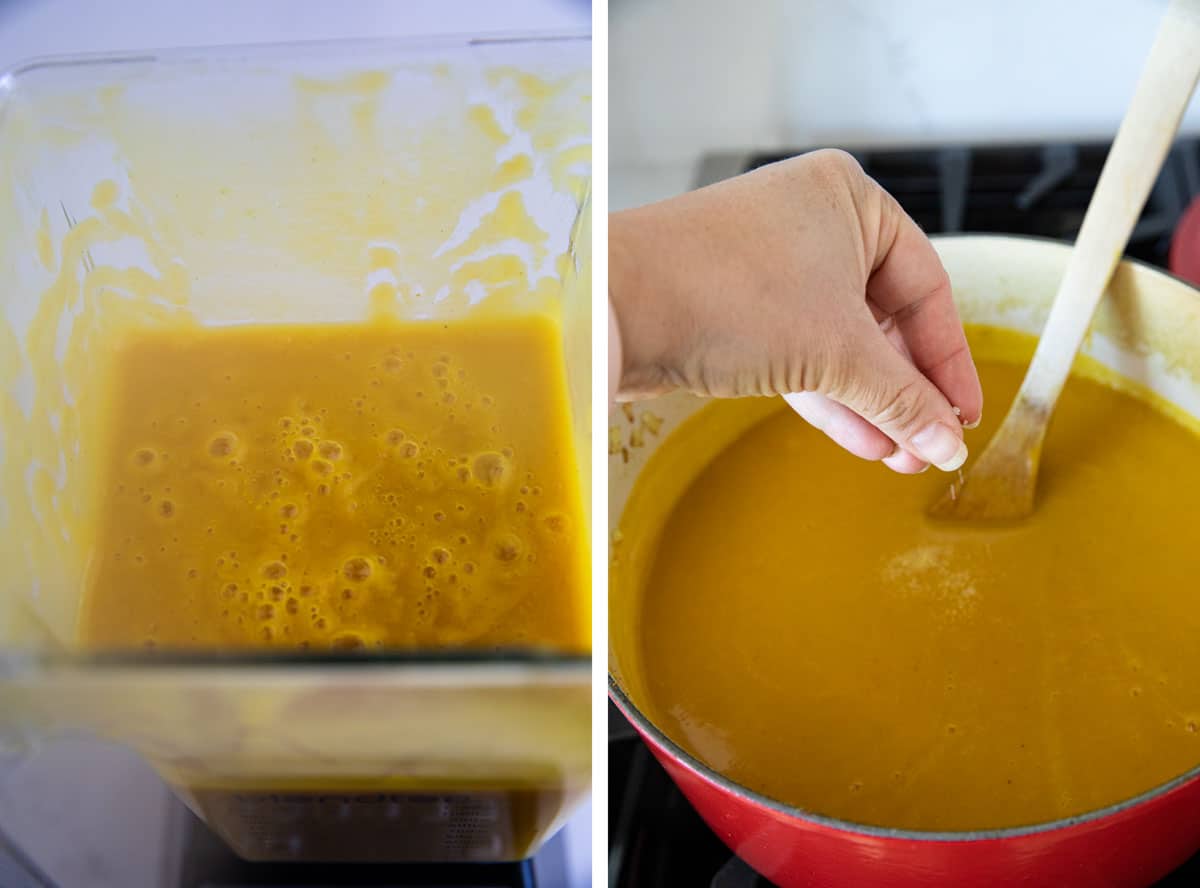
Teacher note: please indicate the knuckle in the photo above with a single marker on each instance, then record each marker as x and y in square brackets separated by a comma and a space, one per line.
[830, 169]
[816, 371]
[801, 376]
[834, 163]
[900, 409]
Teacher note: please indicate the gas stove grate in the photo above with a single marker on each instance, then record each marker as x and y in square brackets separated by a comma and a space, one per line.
[1022, 189]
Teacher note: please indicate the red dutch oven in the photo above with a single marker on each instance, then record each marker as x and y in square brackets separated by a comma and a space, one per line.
[1147, 329]
[1184, 259]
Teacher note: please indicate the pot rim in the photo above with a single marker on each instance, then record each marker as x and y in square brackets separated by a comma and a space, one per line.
[1061, 245]
[683, 757]
[649, 730]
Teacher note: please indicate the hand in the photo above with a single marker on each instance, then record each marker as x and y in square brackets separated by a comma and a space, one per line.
[803, 279]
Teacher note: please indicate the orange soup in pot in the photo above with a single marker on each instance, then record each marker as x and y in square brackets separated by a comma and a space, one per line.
[799, 625]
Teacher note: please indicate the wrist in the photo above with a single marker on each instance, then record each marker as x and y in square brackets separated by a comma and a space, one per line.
[638, 314]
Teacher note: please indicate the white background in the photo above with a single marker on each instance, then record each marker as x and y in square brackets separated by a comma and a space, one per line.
[90, 815]
[694, 76]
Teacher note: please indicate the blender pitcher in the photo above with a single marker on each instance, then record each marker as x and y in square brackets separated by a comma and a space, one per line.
[303, 183]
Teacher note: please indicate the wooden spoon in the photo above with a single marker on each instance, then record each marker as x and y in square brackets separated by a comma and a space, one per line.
[1001, 484]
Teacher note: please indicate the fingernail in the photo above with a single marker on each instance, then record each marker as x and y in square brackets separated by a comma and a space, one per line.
[937, 444]
[965, 424]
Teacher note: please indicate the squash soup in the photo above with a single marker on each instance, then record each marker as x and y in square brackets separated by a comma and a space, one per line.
[361, 485]
[796, 622]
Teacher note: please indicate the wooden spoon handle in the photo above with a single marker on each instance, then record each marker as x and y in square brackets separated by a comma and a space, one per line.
[1129, 173]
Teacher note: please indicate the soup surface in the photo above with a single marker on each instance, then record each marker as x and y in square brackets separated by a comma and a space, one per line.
[385, 484]
[801, 627]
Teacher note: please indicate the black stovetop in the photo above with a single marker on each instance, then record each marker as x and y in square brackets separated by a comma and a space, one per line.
[1023, 189]
[655, 837]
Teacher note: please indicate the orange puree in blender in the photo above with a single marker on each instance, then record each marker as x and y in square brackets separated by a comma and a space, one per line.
[360, 485]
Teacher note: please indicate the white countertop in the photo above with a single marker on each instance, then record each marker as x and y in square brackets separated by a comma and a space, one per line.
[60, 805]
